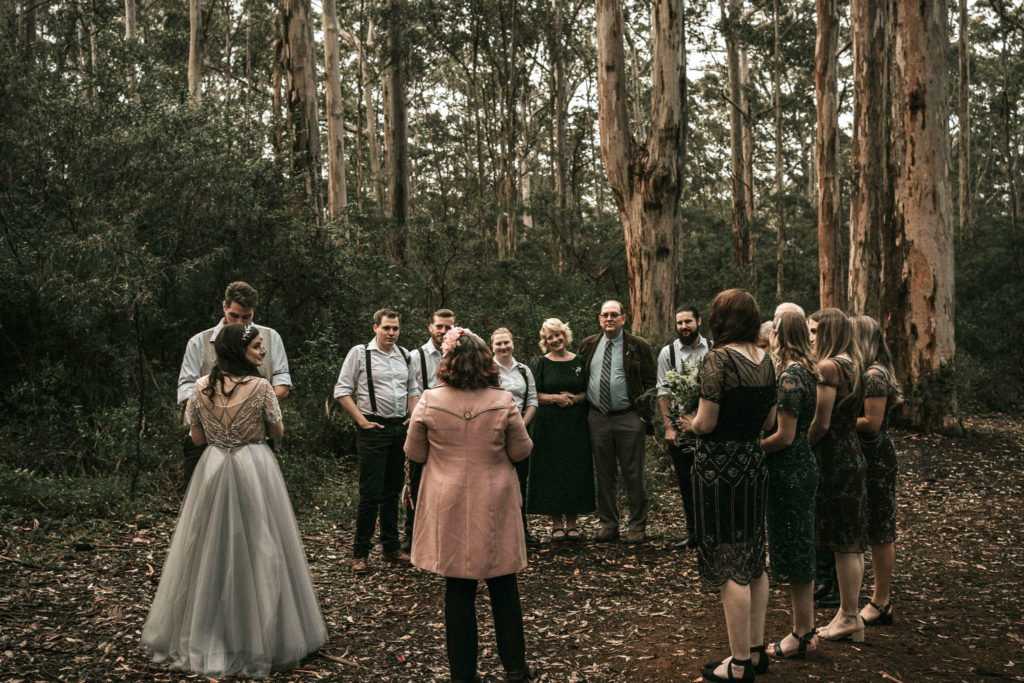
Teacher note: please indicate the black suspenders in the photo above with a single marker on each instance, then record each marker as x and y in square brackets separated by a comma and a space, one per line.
[672, 355]
[526, 395]
[369, 376]
[423, 370]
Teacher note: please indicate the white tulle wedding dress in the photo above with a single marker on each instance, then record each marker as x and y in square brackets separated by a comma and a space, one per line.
[235, 595]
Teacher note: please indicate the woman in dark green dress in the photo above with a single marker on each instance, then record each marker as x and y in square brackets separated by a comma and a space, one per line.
[730, 479]
[561, 482]
[841, 506]
[793, 479]
[881, 393]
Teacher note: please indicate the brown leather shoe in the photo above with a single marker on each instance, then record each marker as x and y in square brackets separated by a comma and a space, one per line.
[360, 566]
[634, 536]
[397, 556]
[607, 535]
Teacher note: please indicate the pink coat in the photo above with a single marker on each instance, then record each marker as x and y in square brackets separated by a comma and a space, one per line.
[468, 523]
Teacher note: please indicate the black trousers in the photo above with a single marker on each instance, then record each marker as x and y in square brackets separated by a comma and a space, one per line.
[381, 475]
[460, 625]
[682, 461]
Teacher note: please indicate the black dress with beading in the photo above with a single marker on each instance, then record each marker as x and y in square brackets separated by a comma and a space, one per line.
[792, 484]
[730, 476]
[880, 455]
[841, 506]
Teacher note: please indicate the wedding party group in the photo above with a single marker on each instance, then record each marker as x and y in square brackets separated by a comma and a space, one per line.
[776, 431]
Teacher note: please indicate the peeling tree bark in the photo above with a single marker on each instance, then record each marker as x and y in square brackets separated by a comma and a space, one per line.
[645, 179]
[300, 80]
[872, 207]
[920, 325]
[195, 56]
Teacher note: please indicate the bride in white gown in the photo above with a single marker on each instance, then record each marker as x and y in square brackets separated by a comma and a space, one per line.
[235, 595]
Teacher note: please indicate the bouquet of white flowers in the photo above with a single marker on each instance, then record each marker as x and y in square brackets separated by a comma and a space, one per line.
[685, 389]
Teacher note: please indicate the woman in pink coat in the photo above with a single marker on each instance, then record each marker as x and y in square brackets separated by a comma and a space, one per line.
[468, 527]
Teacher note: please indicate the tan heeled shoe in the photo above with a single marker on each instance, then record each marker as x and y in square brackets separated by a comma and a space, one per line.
[856, 634]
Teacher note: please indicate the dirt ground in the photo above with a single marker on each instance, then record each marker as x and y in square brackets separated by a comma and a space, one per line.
[72, 609]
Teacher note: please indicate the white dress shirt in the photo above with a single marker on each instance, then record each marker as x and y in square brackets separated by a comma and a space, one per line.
[525, 394]
[192, 363]
[394, 381]
[432, 355]
[684, 354]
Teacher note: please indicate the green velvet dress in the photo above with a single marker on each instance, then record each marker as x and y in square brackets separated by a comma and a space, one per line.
[792, 484]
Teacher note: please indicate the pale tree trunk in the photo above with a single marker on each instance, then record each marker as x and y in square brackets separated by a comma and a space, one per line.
[747, 126]
[397, 127]
[920, 325]
[563, 238]
[511, 126]
[278, 94]
[964, 124]
[336, 191]
[871, 184]
[1009, 144]
[525, 153]
[777, 96]
[367, 47]
[646, 180]
[740, 218]
[130, 25]
[300, 75]
[195, 51]
[830, 265]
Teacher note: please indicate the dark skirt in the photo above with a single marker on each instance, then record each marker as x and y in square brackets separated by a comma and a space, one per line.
[880, 454]
[730, 482]
[841, 503]
[792, 485]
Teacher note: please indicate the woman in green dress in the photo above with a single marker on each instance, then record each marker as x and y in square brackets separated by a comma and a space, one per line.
[561, 481]
[881, 393]
[793, 480]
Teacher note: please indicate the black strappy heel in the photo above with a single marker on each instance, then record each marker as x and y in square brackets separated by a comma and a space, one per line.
[884, 617]
[801, 649]
[708, 672]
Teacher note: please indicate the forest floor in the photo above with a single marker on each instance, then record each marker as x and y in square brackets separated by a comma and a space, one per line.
[73, 602]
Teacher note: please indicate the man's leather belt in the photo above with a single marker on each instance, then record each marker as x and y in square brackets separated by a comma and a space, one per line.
[385, 420]
[613, 413]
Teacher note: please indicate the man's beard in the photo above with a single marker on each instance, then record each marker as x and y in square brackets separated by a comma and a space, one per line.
[688, 338]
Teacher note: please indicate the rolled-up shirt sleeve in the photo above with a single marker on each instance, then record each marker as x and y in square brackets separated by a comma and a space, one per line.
[191, 366]
[663, 368]
[348, 378]
[281, 373]
[531, 388]
[414, 387]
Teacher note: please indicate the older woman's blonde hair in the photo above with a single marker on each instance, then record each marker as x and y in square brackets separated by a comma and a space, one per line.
[554, 325]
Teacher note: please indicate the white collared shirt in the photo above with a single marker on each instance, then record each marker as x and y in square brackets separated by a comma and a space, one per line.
[684, 354]
[192, 363]
[432, 355]
[394, 381]
[524, 394]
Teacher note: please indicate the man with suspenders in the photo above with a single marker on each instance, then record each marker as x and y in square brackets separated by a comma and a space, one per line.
[377, 387]
[425, 360]
[690, 347]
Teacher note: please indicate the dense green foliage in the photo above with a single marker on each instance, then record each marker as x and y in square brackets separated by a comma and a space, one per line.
[125, 211]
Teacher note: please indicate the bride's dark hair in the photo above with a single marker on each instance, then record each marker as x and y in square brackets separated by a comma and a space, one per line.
[230, 345]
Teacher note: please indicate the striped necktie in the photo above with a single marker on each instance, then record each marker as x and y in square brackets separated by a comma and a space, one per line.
[606, 378]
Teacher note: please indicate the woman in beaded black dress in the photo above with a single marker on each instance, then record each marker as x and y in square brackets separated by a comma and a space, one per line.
[793, 479]
[730, 479]
[841, 504]
[881, 393]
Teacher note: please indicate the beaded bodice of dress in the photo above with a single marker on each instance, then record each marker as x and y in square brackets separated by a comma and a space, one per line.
[238, 420]
[797, 395]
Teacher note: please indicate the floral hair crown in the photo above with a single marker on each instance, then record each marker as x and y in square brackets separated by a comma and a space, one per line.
[452, 338]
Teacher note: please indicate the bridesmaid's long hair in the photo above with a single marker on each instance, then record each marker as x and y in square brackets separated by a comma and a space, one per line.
[874, 352]
[230, 345]
[793, 344]
[835, 337]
